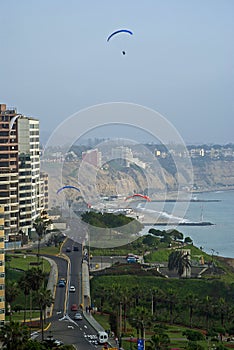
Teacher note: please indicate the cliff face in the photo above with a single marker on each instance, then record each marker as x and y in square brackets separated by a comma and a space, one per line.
[208, 176]
[213, 174]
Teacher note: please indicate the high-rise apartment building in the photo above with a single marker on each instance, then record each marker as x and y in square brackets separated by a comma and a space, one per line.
[9, 179]
[30, 195]
[2, 268]
[21, 190]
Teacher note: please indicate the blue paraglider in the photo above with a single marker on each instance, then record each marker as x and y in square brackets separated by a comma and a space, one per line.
[119, 31]
[67, 186]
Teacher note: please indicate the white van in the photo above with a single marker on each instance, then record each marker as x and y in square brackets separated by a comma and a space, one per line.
[102, 337]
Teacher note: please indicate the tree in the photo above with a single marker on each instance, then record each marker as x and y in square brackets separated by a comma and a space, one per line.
[159, 341]
[40, 224]
[179, 260]
[171, 301]
[34, 278]
[140, 319]
[207, 308]
[191, 302]
[12, 291]
[35, 345]
[193, 335]
[188, 240]
[176, 235]
[25, 286]
[223, 309]
[44, 299]
[14, 336]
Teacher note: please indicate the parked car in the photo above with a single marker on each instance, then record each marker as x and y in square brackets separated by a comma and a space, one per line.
[68, 250]
[72, 289]
[76, 248]
[78, 316]
[74, 307]
[131, 259]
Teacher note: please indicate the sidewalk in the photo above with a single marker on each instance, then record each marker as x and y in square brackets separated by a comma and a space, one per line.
[52, 281]
[89, 317]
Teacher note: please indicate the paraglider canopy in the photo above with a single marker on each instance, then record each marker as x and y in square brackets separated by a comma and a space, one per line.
[139, 195]
[124, 31]
[67, 186]
[118, 32]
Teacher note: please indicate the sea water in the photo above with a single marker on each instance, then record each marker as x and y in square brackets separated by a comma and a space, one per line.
[215, 207]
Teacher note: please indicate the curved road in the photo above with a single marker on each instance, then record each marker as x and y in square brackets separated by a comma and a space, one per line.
[63, 326]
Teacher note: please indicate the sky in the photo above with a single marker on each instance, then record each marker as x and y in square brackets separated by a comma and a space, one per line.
[55, 60]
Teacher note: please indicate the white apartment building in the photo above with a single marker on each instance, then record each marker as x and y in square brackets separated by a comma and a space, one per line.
[30, 194]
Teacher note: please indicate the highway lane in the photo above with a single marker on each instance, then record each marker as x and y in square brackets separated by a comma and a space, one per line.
[60, 292]
[63, 326]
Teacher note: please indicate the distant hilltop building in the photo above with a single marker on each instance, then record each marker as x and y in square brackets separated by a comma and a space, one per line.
[23, 188]
[93, 157]
[125, 155]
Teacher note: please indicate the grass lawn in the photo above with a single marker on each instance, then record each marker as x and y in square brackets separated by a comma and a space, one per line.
[22, 262]
[47, 250]
[103, 320]
[177, 340]
[19, 316]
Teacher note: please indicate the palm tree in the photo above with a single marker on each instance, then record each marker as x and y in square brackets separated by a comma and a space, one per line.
[35, 278]
[207, 307]
[114, 298]
[12, 291]
[156, 296]
[14, 336]
[40, 224]
[140, 319]
[191, 301]
[25, 286]
[180, 261]
[222, 309]
[159, 341]
[44, 299]
[126, 302]
[171, 301]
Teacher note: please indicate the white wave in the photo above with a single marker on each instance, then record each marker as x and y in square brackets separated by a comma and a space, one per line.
[163, 214]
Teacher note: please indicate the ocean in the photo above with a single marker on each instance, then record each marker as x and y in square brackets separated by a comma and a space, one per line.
[217, 208]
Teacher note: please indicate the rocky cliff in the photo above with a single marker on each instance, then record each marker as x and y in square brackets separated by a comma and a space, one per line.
[207, 176]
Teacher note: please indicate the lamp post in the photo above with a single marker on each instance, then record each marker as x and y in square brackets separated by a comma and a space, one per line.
[120, 325]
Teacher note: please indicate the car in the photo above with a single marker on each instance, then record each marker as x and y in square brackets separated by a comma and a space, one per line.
[51, 340]
[131, 259]
[74, 307]
[78, 316]
[76, 248]
[63, 280]
[72, 289]
[58, 342]
[68, 250]
[61, 284]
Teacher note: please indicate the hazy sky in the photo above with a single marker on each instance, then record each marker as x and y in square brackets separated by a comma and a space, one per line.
[55, 60]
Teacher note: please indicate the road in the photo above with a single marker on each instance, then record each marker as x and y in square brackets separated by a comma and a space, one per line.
[63, 326]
